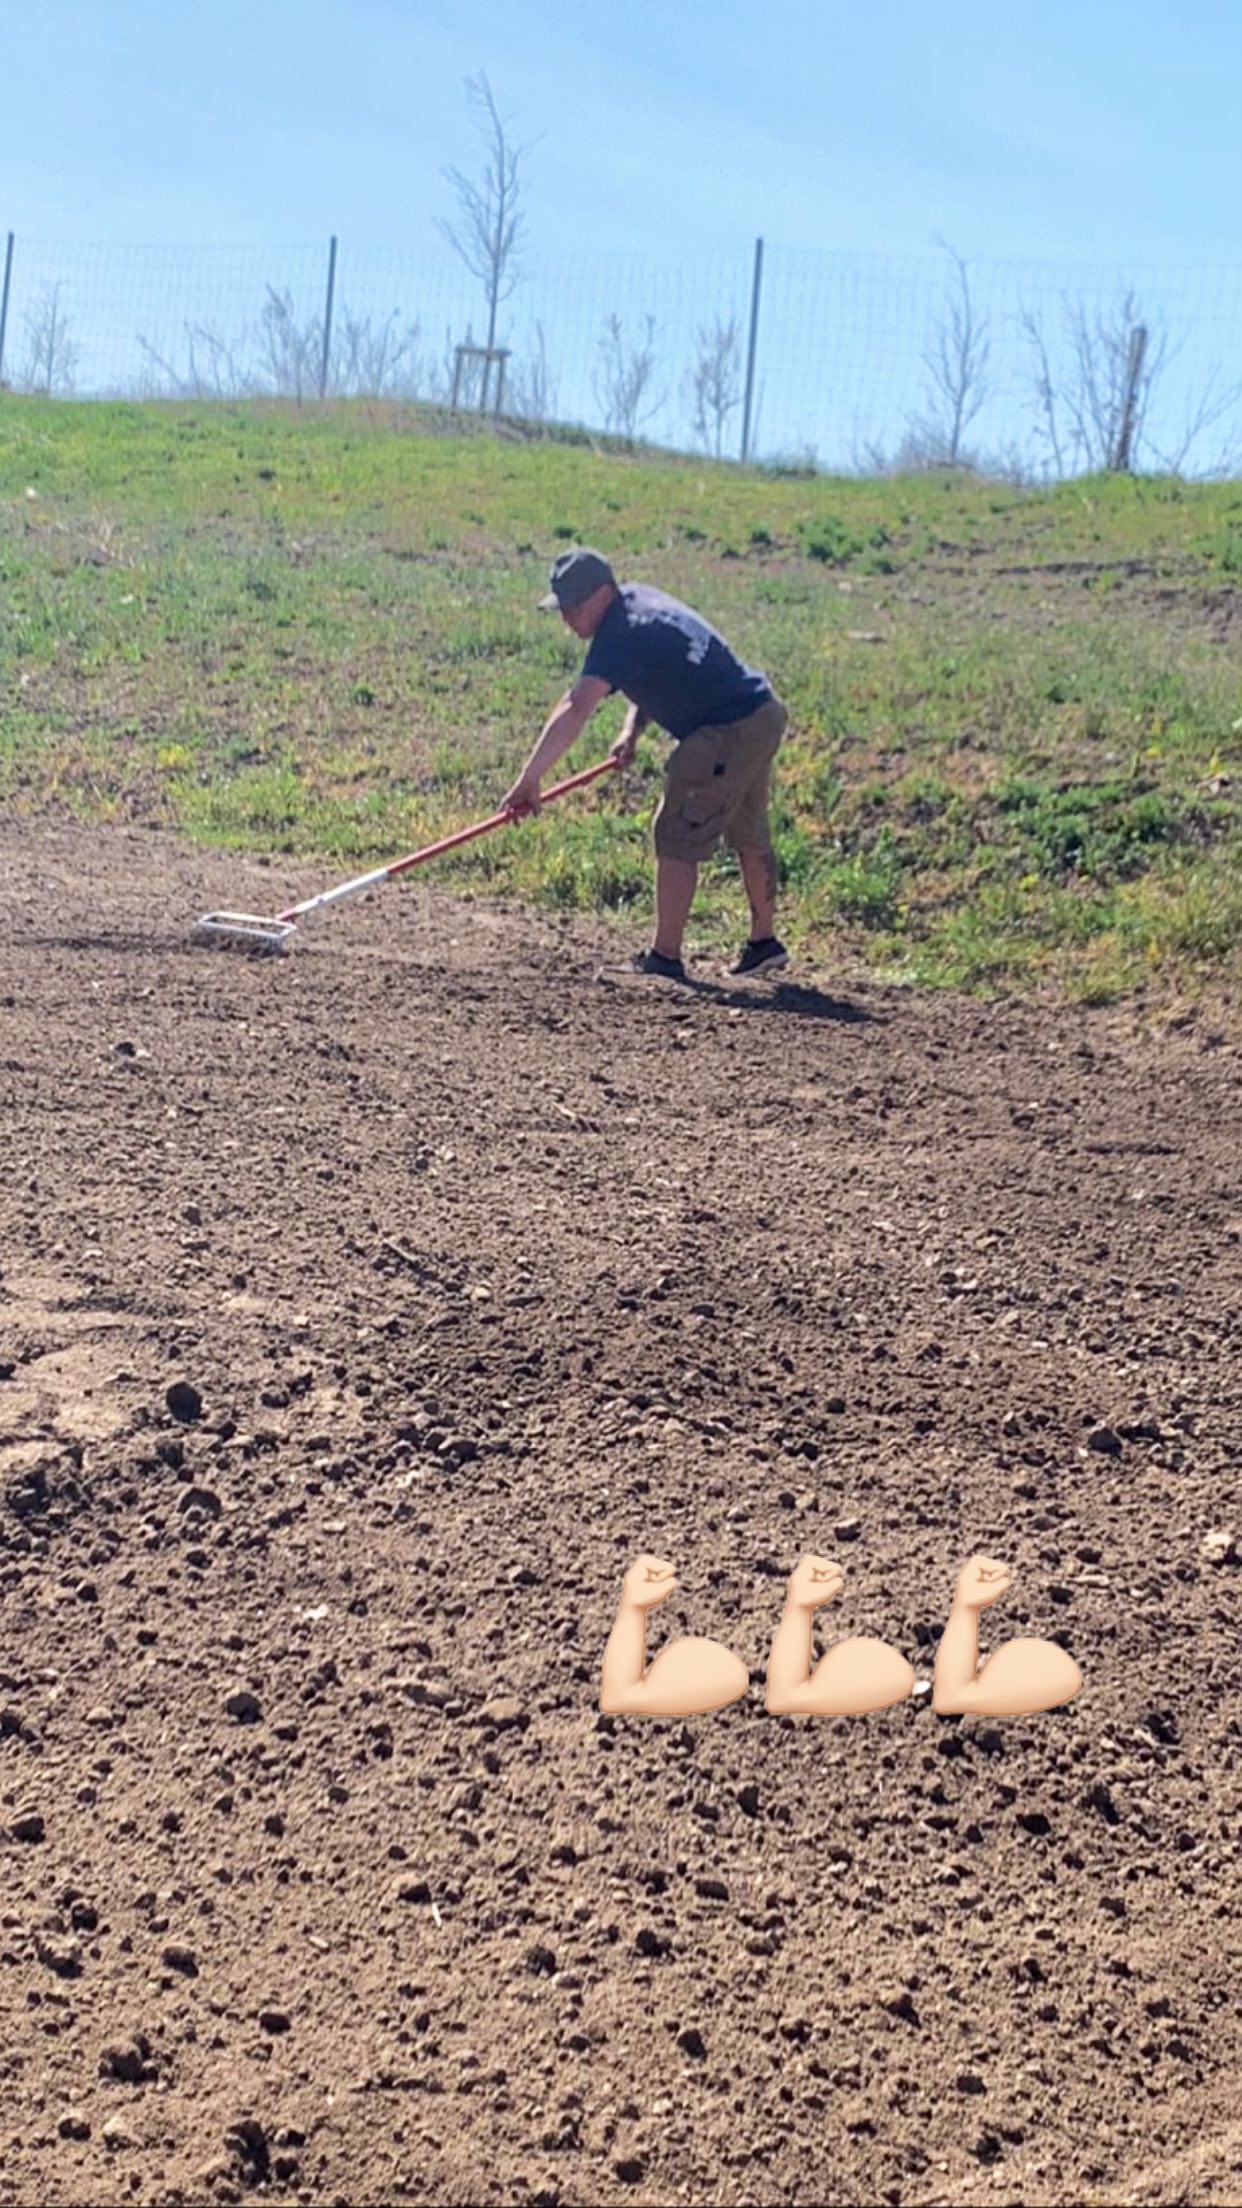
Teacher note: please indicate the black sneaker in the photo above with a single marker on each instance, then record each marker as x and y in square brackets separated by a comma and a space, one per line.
[766, 957]
[654, 962]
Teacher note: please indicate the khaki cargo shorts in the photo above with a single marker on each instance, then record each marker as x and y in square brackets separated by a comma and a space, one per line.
[716, 787]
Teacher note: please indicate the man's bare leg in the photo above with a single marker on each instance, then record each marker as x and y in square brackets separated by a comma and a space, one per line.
[675, 885]
[857, 1675]
[759, 874]
[1019, 1678]
[686, 1678]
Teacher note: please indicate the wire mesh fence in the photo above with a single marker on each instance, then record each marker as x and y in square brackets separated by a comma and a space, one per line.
[860, 361]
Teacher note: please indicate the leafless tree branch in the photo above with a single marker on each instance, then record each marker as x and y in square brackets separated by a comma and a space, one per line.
[487, 233]
[716, 382]
[51, 355]
[623, 378]
[956, 362]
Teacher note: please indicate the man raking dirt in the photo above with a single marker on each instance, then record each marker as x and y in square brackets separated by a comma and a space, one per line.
[726, 722]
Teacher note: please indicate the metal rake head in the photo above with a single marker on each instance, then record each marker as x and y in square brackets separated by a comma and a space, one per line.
[243, 931]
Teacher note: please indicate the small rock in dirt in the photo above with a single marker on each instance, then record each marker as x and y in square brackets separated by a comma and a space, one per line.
[1098, 1797]
[847, 1529]
[203, 1499]
[424, 1692]
[74, 2125]
[631, 2169]
[692, 2042]
[182, 1959]
[1219, 1547]
[969, 2082]
[118, 2134]
[27, 1825]
[215, 2178]
[64, 1957]
[541, 1962]
[502, 1711]
[247, 2143]
[244, 1708]
[184, 1401]
[1105, 1440]
[125, 2059]
[711, 1889]
[748, 1800]
[275, 2021]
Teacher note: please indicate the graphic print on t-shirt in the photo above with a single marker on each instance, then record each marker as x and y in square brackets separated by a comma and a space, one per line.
[672, 663]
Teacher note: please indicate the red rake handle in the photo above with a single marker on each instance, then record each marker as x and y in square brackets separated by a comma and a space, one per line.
[499, 820]
[432, 850]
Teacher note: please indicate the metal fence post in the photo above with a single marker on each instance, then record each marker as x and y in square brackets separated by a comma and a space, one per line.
[4, 299]
[327, 319]
[755, 287]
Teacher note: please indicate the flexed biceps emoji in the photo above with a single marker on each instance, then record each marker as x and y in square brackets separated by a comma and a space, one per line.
[692, 1675]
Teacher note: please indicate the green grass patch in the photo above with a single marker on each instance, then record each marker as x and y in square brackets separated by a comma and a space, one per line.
[1015, 753]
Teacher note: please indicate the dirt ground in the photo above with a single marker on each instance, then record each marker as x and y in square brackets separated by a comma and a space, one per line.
[476, 1266]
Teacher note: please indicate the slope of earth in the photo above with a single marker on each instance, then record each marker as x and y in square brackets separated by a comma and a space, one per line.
[476, 1266]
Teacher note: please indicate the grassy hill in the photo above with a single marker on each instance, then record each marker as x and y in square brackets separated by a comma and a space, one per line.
[1016, 715]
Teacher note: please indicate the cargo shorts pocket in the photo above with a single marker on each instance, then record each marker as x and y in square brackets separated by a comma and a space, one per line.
[692, 815]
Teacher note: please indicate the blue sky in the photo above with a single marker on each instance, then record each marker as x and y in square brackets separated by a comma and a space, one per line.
[1055, 146]
[1086, 132]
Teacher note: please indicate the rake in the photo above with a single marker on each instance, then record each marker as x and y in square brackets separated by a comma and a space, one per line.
[255, 932]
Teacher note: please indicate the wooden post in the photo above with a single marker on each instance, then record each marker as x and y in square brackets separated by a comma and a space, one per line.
[1119, 459]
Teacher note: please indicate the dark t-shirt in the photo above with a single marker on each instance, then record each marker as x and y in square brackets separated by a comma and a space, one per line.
[671, 663]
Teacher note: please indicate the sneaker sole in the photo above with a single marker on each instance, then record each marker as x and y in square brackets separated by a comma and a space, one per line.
[774, 965]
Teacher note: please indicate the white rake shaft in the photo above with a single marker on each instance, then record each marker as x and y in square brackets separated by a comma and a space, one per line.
[343, 889]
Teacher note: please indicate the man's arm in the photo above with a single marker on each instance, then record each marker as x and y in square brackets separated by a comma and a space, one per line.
[562, 729]
[627, 742]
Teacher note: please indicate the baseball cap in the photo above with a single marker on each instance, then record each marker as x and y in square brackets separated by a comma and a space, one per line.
[574, 576]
